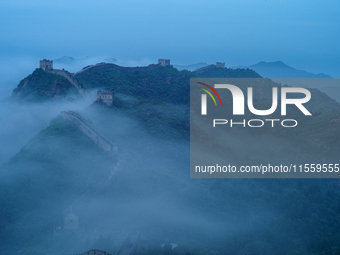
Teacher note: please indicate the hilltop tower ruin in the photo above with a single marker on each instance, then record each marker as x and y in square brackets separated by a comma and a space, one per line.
[70, 221]
[105, 96]
[46, 64]
[220, 64]
[164, 62]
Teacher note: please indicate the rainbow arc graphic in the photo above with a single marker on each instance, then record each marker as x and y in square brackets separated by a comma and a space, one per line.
[209, 93]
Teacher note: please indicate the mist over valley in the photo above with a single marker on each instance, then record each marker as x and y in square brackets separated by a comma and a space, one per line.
[81, 173]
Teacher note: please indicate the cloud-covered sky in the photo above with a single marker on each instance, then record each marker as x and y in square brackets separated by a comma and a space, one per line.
[303, 34]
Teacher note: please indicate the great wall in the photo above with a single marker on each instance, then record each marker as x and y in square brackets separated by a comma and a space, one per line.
[161, 62]
[70, 221]
[47, 66]
[70, 78]
[88, 68]
[89, 130]
[131, 242]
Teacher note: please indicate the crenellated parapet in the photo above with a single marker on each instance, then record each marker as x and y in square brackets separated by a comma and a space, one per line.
[105, 96]
[46, 64]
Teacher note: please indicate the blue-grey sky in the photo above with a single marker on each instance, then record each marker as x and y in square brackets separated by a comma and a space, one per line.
[302, 33]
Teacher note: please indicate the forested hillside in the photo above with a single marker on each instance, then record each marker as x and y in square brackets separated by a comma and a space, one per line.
[150, 189]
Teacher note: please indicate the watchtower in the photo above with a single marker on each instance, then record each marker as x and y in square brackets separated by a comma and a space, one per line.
[220, 64]
[70, 221]
[46, 64]
[164, 62]
[105, 96]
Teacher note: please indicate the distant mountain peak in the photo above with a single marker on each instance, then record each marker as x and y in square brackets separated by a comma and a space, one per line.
[65, 59]
[191, 67]
[272, 64]
[278, 69]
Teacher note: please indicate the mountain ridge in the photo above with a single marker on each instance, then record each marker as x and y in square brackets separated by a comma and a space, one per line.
[278, 69]
[149, 120]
